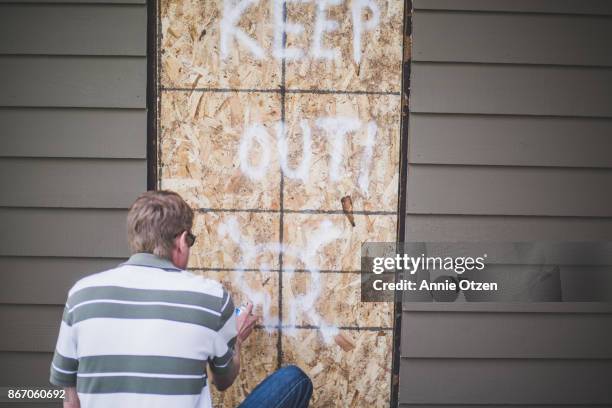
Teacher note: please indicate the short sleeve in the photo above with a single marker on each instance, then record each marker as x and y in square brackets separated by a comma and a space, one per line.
[226, 334]
[65, 363]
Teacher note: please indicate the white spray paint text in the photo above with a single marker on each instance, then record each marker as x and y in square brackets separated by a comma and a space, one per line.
[233, 11]
[336, 128]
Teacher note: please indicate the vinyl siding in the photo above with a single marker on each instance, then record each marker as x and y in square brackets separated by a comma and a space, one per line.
[509, 140]
[72, 159]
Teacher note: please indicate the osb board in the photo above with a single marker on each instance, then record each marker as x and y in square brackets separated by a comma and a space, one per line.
[350, 312]
[239, 283]
[200, 138]
[253, 370]
[368, 158]
[344, 252]
[194, 55]
[380, 55]
[190, 42]
[216, 246]
[202, 134]
[210, 104]
[356, 378]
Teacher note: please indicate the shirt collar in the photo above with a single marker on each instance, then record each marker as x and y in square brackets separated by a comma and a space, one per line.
[151, 261]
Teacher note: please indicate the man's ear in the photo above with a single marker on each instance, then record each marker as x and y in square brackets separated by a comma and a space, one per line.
[181, 242]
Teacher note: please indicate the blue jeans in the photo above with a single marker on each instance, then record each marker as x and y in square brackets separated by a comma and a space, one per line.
[287, 387]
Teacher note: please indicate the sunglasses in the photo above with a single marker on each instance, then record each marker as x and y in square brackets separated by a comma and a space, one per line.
[190, 238]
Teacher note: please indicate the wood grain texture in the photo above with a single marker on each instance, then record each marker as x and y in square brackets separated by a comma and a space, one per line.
[190, 40]
[351, 312]
[325, 185]
[379, 68]
[200, 140]
[356, 378]
[70, 29]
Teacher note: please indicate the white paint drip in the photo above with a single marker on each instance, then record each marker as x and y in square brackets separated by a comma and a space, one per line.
[255, 132]
[301, 172]
[359, 26]
[337, 128]
[366, 161]
[323, 25]
[229, 29]
[305, 303]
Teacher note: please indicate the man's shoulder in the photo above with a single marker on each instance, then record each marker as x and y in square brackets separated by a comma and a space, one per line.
[203, 284]
[91, 280]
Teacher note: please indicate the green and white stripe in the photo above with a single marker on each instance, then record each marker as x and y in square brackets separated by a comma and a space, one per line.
[142, 334]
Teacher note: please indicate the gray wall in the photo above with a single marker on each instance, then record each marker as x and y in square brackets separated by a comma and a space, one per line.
[73, 148]
[510, 139]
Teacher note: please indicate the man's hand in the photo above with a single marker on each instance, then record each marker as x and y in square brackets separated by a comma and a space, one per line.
[245, 322]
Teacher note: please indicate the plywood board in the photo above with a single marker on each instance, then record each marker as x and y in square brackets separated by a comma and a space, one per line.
[264, 136]
[349, 312]
[342, 253]
[364, 165]
[225, 239]
[201, 138]
[253, 370]
[191, 54]
[363, 53]
[356, 378]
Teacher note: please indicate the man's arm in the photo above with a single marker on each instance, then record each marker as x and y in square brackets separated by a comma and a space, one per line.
[245, 323]
[71, 398]
[65, 362]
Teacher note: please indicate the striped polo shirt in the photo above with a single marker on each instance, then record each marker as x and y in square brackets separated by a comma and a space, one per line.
[141, 335]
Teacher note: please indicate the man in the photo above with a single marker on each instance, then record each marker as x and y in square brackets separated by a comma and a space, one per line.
[142, 334]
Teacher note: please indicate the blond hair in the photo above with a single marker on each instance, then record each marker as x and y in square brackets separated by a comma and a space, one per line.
[154, 221]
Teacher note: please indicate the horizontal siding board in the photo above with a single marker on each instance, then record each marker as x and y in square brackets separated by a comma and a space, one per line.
[443, 228]
[522, 335]
[63, 232]
[483, 406]
[510, 140]
[509, 191]
[75, 1]
[507, 381]
[31, 328]
[95, 133]
[510, 89]
[73, 29]
[523, 307]
[96, 82]
[25, 369]
[511, 38]
[93, 183]
[596, 7]
[53, 277]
